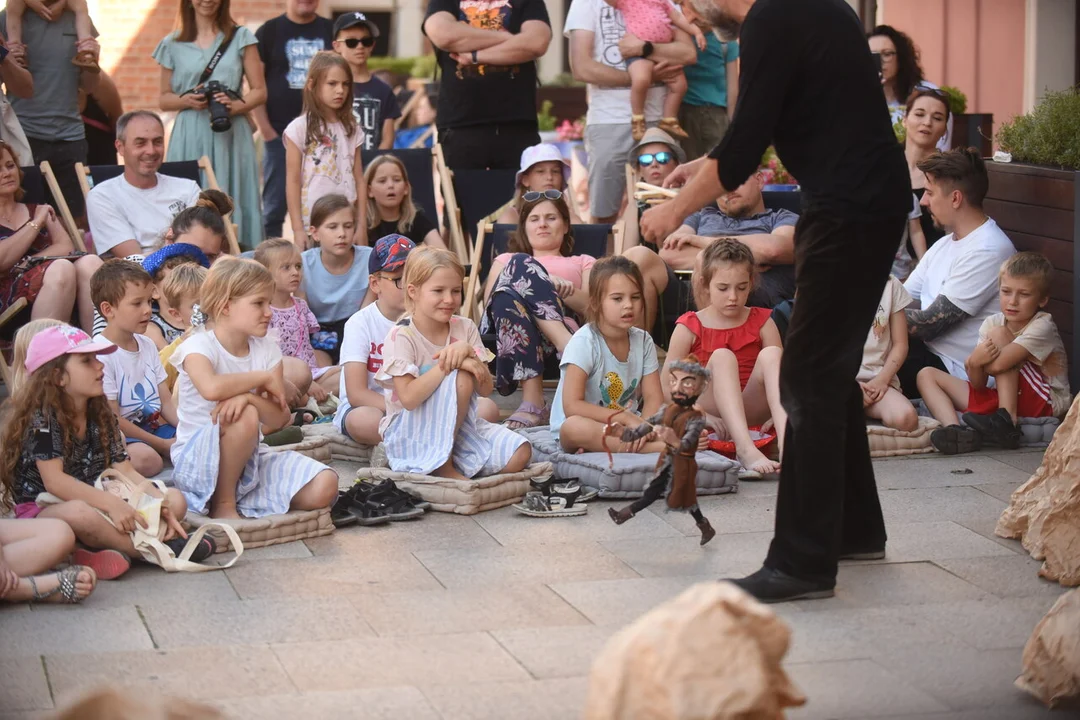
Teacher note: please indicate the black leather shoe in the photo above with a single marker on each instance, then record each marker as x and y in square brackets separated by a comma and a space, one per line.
[774, 586]
[869, 554]
[997, 429]
[955, 439]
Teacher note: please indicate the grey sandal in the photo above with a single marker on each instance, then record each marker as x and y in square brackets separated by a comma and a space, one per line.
[66, 585]
[521, 419]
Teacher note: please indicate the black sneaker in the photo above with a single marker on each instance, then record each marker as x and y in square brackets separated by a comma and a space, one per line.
[203, 550]
[340, 514]
[774, 586]
[997, 429]
[955, 439]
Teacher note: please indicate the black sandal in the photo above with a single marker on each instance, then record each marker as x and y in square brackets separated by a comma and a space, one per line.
[365, 511]
[396, 504]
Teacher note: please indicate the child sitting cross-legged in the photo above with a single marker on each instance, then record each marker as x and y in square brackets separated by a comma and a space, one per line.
[134, 380]
[180, 290]
[60, 435]
[165, 328]
[884, 352]
[1020, 350]
[434, 371]
[232, 389]
[362, 403]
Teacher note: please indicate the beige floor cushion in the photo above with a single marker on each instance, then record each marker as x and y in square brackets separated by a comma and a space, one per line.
[341, 446]
[270, 530]
[887, 442]
[464, 497]
[316, 447]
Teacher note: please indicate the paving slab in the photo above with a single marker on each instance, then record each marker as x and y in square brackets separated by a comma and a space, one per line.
[887, 584]
[509, 527]
[1006, 576]
[433, 531]
[523, 565]
[24, 686]
[1025, 461]
[556, 652]
[941, 540]
[987, 624]
[465, 610]
[1001, 490]
[64, 629]
[534, 700]
[328, 576]
[380, 703]
[942, 471]
[732, 554]
[855, 689]
[148, 585]
[937, 504]
[730, 513]
[428, 659]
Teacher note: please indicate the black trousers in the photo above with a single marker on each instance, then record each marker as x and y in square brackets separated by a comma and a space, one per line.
[827, 498]
[479, 147]
[919, 356]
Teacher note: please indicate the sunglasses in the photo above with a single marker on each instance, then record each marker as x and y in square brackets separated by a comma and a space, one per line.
[534, 195]
[351, 43]
[661, 157]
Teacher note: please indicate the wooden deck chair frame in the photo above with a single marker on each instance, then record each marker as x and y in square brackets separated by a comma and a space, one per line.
[406, 109]
[83, 173]
[15, 308]
[62, 209]
[453, 212]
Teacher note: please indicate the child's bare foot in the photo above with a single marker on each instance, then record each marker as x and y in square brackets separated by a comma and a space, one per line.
[71, 585]
[754, 461]
[448, 471]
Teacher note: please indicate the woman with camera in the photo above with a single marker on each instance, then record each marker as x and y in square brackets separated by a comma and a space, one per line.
[203, 66]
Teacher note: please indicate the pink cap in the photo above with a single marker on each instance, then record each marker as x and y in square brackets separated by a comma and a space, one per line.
[53, 342]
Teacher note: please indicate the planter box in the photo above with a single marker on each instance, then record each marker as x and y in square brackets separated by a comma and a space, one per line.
[974, 130]
[568, 103]
[1037, 208]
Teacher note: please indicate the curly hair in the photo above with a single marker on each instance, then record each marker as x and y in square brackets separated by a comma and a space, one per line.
[41, 391]
[519, 240]
[908, 71]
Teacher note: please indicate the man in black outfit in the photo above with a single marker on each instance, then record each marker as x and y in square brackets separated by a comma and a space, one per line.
[487, 56]
[809, 87]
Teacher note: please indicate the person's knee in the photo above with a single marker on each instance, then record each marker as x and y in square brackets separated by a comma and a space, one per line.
[486, 409]
[465, 383]
[297, 372]
[245, 427]
[723, 357]
[145, 459]
[86, 266]
[520, 459]
[1000, 336]
[770, 356]
[927, 377]
[56, 537]
[174, 500]
[61, 276]
[324, 489]
[903, 417]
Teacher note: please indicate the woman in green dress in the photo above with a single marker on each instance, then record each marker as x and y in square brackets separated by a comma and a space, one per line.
[183, 55]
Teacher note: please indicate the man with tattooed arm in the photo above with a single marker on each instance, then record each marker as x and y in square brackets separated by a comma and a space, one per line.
[955, 285]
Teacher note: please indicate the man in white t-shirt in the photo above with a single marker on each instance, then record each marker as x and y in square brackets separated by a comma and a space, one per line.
[599, 44]
[129, 213]
[956, 282]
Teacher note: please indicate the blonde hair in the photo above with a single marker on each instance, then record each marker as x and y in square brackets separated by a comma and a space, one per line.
[270, 249]
[422, 264]
[407, 208]
[184, 280]
[323, 62]
[231, 278]
[21, 345]
[1031, 265]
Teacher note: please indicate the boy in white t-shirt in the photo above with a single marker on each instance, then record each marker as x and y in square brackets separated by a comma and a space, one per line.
[883, 354]
[362, 403]
[1019, 348]
[134, 378]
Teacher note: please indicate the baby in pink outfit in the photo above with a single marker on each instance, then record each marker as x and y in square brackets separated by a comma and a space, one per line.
[652, 21]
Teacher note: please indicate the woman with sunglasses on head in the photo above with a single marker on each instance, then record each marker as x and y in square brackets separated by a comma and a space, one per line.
[542, 168]
[901, 74]
[534, 295]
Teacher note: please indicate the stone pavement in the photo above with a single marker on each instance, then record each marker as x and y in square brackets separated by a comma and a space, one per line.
[498, 615]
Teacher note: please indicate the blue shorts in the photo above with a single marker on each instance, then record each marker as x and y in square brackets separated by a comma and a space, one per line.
[165, 432]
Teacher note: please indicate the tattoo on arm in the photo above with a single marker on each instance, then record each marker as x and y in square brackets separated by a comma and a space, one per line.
[933, 321]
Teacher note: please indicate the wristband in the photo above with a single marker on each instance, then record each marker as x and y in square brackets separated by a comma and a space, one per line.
[646, 49]
[475, 61]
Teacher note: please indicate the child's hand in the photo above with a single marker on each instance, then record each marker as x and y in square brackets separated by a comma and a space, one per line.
[875, 389]
[274, 386]
[173, 528]
[478, 370]
[699, 38]
[318, 392]
[615, 429]
[293, 396]
[451, 357]
[229, 411]
[634, 446]
[44, 11]
[703, 440]
[123, 516]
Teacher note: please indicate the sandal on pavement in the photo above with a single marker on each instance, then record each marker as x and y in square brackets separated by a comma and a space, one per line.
[65, 586]
[366, 512]
[535, 504]
[528, 415]
[340, 513]
[396, 505]
[106, 564]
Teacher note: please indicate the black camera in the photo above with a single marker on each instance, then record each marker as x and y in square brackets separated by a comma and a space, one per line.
[219, 114]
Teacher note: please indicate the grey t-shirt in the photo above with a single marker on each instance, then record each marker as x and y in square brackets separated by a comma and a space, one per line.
[712, 222]
[53, 112]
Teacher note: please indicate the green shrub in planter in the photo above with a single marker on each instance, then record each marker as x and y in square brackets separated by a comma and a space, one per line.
[422, 66]
[956, 98]
[1049, 134]
[545, 121]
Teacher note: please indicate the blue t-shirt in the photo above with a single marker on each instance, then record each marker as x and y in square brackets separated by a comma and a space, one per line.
[373, 104]
[711, 221]
[286, 49]
[335, 297]
[707, 79]
[611, 383]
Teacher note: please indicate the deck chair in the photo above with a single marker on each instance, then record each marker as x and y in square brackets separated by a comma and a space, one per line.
[418, 165]
[39, 182]
[446, 182]
[783, 200]
[8, 315]
[195, 170]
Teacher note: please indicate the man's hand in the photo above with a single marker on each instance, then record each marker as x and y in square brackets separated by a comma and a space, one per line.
[462, 59]
[658, 222]
[89, 45]
[682, 174]
[631, 46]
[664, 71]
[17, 53]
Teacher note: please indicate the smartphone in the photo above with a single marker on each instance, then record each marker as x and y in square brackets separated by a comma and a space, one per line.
[877, 61]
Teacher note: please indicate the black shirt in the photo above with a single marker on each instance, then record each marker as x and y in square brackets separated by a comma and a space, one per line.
[808, 86]
[84, 460]
[488, 94]
[286, 49]
[420, 228]
[373, 104]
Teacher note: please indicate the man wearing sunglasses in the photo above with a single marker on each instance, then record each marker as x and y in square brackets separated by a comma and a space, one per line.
[856, 195]
[374, 104]
[286, 45]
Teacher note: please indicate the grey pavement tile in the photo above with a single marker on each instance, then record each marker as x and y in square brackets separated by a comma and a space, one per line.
[465, 610]
[985, 526]
[44, 631]
[1011, 576]
[149, 585]
[755, 488]
[855, 689]
[255, 622]
[283, 551]
[533, 700]
[934, 504]
[428, 659]
[731, 513]
[337, 575]
[726, 555]
[1027, 461]
[28, 715]
[556, 652]
[433, 531]
[522, 565]
[379, 703]
[909, 542]
[1001, 490]
[988, 624]
[510, 527]
[23, 686]
[937, 471]
[888, 584]
[961, 678]
[197, 673]
[1021, 709]
[617, 602]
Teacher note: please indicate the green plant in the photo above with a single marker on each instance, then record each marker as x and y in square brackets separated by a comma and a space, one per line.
[957, 99]
[422, 66]
[899, 131]
[1049, 134]
[545, 121]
